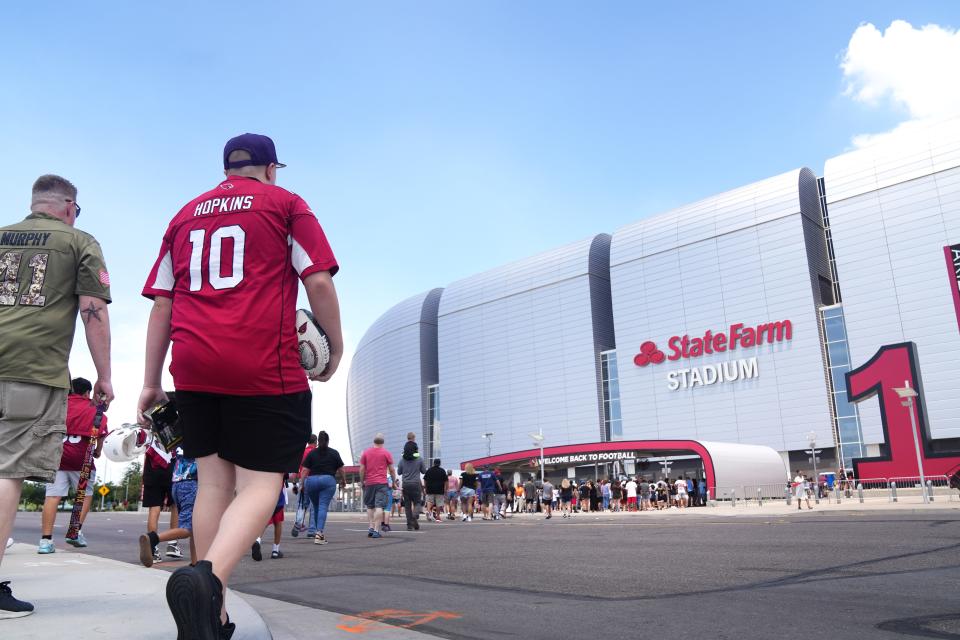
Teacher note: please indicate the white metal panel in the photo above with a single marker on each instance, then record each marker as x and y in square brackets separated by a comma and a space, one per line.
[893, 207]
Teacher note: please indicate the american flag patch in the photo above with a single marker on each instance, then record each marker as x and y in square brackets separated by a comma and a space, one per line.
[105, 278]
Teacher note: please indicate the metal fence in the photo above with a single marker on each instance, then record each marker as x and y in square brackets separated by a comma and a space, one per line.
[892, 490]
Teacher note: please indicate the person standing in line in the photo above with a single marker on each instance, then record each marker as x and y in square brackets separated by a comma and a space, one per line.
[605, 493]
[435, 485]
[702, 492]
[80, 417]
[321, 469]
[375, 463]
[530, 495]
[453, 495]
[518, 502]
[566, 498]
[631, 495]
[468, 491]
[616, 494]
[681, 485]
[691, 492]
[52, 270]
[546, 498]
[410, 468]
[224, 291]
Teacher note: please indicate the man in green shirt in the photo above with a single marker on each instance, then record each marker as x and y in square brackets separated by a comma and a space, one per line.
[48, 271]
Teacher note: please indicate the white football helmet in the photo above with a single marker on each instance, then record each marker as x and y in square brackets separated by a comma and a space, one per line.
[312, 343]
[127, 443]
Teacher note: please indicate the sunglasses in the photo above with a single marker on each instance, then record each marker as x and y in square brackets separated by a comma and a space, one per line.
[77, 215]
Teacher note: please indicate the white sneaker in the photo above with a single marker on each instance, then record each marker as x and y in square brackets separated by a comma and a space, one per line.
[9, 543]
[469, 518]
[464, 519]
[173, 550]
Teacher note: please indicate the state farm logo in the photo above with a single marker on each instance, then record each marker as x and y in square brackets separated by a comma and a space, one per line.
[649, 354]
[738, 336]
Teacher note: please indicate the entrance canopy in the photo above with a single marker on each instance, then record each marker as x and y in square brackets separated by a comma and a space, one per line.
[725, 464]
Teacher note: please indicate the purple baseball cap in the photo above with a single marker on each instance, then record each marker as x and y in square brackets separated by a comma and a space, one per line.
[261, 150]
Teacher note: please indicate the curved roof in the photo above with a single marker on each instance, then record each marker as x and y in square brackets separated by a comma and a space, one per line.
[563, 263]
[421, 308]
[770, 199]
[913, 152]
[727, 465]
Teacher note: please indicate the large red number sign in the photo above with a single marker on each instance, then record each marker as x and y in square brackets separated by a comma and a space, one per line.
[896, 365]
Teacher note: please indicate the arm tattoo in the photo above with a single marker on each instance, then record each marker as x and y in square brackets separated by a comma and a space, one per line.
[90, 313]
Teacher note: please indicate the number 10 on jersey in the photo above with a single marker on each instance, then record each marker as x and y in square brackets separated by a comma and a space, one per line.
[217, 281]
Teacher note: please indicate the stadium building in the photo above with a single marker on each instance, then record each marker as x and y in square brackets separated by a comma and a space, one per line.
[699, 340]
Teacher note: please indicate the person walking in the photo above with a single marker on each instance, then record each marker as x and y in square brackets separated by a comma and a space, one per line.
[468, 491]
[80, 418]
[375, 463]
[224, 291]
[453, 495]
[51, 270]
[410, 468]
[435, 484]
[184, 492]
[321, 469]
[800, 490]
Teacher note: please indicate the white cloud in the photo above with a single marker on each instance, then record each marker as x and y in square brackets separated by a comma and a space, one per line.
[904, 67]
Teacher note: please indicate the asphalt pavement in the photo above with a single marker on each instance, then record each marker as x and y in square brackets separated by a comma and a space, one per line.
[845, 573]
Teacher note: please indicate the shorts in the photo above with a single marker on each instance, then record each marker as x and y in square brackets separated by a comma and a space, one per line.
[157, 494]
[452, 495]
[547, 501]
[434, 500]
[376, 496]
[632, 500]
[531, 500]
[467, 492]
[33, 422]
[184, 495]
[260, 433]
[488, 497]
[67, 480]
[276, 518]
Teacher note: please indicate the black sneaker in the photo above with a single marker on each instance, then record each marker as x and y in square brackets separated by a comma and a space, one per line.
[227, 629]
[255, 551]
[10, 607]
[195, 597]
[276, 555]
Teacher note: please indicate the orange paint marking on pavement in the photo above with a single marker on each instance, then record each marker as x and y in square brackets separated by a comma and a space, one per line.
[385, 618]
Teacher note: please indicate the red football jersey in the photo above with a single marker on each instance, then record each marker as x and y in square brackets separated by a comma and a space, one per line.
[80, 414]
[230, 260]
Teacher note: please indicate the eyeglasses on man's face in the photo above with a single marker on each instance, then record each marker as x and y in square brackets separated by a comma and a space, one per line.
[77, 214]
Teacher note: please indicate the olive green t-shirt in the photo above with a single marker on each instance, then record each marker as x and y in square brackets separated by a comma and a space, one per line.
[44, 265]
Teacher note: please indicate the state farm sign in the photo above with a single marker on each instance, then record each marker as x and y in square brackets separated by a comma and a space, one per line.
[738, 336]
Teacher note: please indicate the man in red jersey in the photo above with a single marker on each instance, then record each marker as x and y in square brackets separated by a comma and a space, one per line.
[225, 289]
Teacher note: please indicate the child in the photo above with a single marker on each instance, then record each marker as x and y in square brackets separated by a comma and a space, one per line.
[184, 493]
[277, 521]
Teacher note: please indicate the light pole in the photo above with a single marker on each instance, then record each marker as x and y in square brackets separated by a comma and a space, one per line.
[489, 438]
[907, 394]
[812, 437]
[538, 439]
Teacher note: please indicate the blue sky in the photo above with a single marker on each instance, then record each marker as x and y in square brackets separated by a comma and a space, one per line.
[433, 139]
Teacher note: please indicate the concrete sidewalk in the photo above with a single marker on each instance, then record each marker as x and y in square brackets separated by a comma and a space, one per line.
[81, 596]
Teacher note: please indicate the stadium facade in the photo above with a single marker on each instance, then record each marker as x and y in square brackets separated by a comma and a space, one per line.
[734, 319]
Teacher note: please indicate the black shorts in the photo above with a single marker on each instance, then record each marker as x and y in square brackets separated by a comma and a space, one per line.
[157, 495]
[260, 433]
